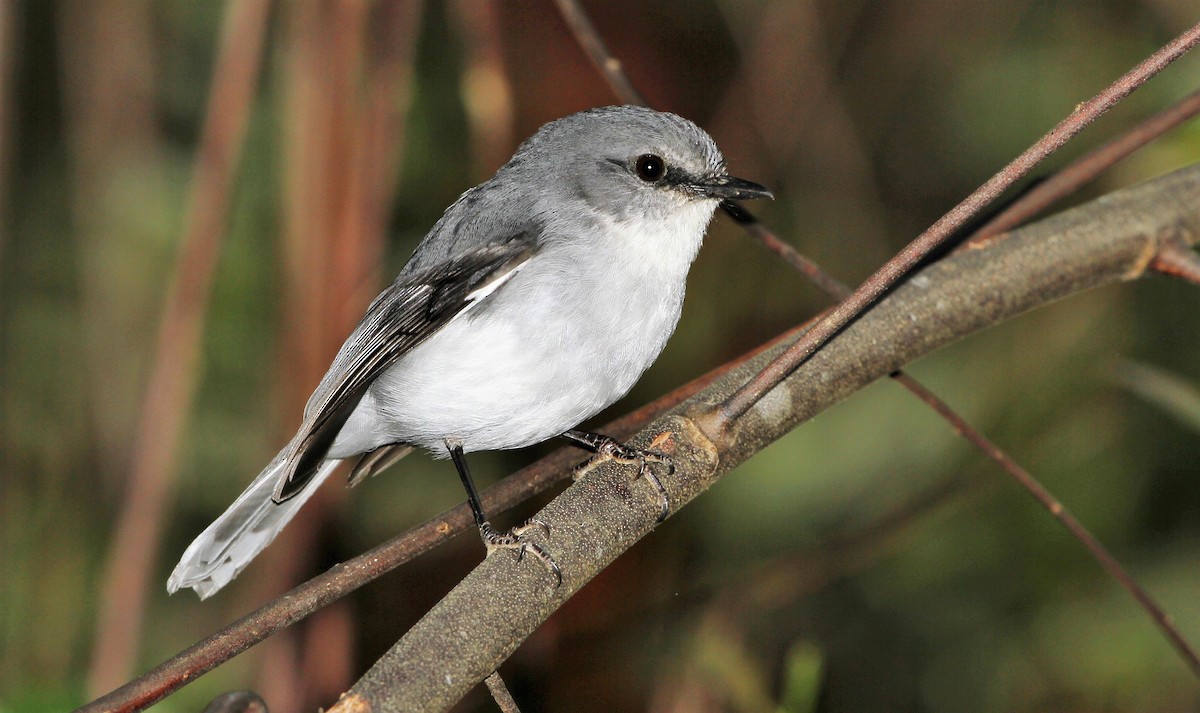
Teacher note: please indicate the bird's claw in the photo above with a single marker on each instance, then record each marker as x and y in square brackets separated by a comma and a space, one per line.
[610, 449]
[514, 540]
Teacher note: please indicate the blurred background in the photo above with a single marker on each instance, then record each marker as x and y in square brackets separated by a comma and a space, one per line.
[197, 200]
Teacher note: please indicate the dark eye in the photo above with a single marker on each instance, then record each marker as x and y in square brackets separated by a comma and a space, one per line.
[649, 167]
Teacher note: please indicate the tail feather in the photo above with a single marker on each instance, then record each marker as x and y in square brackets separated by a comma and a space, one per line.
[245, 529]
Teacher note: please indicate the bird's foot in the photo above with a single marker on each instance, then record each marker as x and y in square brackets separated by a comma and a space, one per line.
[609, 449]
[514, 540]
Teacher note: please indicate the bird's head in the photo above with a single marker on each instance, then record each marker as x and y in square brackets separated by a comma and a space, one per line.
[628, 163]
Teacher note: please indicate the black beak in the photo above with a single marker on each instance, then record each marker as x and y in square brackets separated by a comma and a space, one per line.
[724, 187]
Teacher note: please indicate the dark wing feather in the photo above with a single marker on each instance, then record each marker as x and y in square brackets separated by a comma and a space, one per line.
[405, 314]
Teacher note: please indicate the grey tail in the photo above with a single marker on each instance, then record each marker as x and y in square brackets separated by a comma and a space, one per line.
[244, 530]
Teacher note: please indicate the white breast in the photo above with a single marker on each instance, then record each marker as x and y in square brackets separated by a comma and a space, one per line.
[563, 339]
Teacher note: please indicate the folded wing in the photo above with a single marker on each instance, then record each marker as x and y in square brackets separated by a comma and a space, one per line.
[405, 314]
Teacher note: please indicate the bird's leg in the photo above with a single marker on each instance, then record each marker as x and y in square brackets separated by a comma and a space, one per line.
[607, 448]
[492, 539]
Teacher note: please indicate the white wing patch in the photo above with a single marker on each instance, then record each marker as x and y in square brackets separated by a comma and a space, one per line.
[488, 288]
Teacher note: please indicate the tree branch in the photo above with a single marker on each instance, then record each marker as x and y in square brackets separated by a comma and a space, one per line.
[483, 620]
[1087, 168]
[919, 249]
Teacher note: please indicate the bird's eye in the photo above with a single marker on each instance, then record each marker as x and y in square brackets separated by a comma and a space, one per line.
[649, 167]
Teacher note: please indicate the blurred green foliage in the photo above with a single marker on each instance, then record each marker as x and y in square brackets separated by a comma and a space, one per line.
[867, 119]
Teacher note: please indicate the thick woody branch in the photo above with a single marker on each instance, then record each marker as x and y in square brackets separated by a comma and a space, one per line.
[483, 620]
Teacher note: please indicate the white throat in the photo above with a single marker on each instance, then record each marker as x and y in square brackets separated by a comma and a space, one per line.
[667, 247]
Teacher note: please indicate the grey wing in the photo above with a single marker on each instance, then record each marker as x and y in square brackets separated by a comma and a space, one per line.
[405, 314]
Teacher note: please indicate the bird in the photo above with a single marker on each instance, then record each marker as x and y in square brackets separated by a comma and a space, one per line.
[537, 300]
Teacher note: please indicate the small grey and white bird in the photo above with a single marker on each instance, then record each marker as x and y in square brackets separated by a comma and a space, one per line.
[537, 300]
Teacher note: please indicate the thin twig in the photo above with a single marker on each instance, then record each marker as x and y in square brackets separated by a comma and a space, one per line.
[337, 582]
[1064, 517]
[169, 389]
[589, 39]
[500, 693]
[883, 279]
[784, 250]
[1085, 169]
